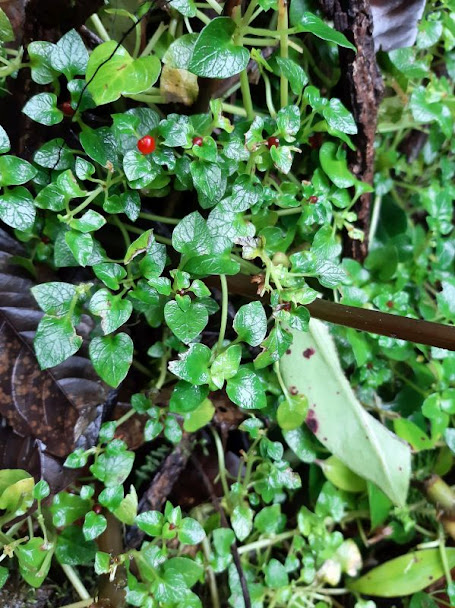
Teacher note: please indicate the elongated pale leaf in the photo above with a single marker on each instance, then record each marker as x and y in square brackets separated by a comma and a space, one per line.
[338, 419]
[404, 575]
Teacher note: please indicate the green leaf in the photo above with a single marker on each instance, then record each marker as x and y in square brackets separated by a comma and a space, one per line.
[33, 564]
[246, 192]
[67, 508]
[341, 476]
[191, 235]
[54, 298]
[413, 434]
[112, 72]
[110, 274]
[41, 490]
[250, 323]
[209, 181]
[226, 365]
[6, 29]
[55, 341]
[114, 465]
[15, 171]
[288, 122]
[151, 522]
[339, 118]
[187, 397]
[446, 299]
[89, 222]
[139, 169]
[54, 154]
[141, 245]
[242, 521]
[69, 56]
[40, 53]
[112, 357]
[81, 246]
[215, 55]
[422, 569]
[94, 525]
[186, 324]
[333, 162]
[113, 310]
[5, 145]
[17, 491]
[294, 73]
[275, 574]
[245, 389]
[172, 430]
[313, 24]
[190, 532]
[199, 417]
[17, 209]
[380, 505]
[192, 365]
[385, 459]
[291, 412]
[127, 510]
[102, 562]
[42, 108]
[184, 7]
[101, 146]
[282, 158]
[301, 443]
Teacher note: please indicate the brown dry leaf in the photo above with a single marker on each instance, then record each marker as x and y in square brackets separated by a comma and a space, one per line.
[61, 407]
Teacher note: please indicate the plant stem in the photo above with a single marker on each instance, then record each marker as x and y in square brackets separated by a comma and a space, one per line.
[209, 570]
[76, 582]
[374, 218]
[93, 194]
[154, 39]
[159, 218]
[150, 99]
[246, 94]
[224, 311]
[214, 4]
[81, 604]
[284, 50]
[268, 95]
[202, 17]
[99, 27]
[221, 464]
[229, 108]
[266, 542]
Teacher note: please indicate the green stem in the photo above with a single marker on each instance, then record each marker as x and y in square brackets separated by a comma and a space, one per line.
[247, 17]
[443, 553]
[246, 94]
[200, 15]
[159, 218]
[81, 604]
[144, 98]
[268, 95]
[229, 108]
[224, 311]
[154, 39]
[266, 542]
[215, 6]
[284, 49]
[374, 218]
[75, 581]
[121, 227]
[221, 464]
[84, 204]
[208, 568]
[99, 27]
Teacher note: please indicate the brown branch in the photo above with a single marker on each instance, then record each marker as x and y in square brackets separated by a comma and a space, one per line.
[363, 319]
[361, 91]
[163, 482]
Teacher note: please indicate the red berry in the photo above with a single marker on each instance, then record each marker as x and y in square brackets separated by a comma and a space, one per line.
[313, 200]
[97, 509]
[146, 145]
[389, 304]
[67, 109]
[273, 141]
[198, 141]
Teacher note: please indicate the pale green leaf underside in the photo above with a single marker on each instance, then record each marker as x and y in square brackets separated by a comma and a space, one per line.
[341, 424]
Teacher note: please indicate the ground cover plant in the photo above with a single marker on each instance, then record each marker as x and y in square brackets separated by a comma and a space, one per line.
[189, 191]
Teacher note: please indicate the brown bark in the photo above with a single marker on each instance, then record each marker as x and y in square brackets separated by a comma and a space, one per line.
[361, 92]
